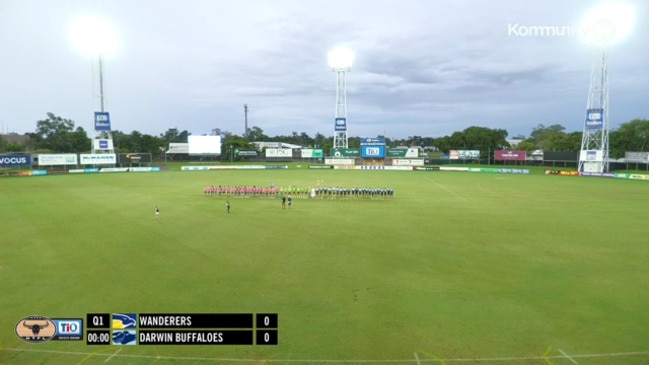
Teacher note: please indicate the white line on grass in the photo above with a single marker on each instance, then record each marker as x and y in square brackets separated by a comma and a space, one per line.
[488, 359]
[568, 357]
[447, 189]
[113, 355]
[417, 358]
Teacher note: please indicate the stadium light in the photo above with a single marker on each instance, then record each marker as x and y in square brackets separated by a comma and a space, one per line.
[340, 61]
[95, 37]
[608, 24]
[604, 26]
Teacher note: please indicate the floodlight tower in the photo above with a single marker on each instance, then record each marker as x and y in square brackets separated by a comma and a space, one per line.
[340, 61]
[602, 27]
[97, 38]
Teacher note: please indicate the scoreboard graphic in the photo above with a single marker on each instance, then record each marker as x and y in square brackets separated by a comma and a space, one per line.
[181, 329]
[133, 329]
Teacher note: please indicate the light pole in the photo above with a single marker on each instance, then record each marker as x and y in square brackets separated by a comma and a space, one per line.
[340, 61]
[95, 37]
[604, 26]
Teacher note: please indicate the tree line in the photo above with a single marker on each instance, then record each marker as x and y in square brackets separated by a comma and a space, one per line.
[55, 134]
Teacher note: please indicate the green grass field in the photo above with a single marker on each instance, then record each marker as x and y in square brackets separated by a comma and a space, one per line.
[458, 268]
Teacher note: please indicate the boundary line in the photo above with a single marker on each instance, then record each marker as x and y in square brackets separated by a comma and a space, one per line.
[447, 189]
[417, 358]
[113, 355]
[487, 359]
[568, 357]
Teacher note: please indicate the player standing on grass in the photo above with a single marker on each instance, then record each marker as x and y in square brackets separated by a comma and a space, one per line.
[157, 212]
[290, 201]
[227, 204]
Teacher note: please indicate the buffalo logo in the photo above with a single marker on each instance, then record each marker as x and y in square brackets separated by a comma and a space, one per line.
[36, 329]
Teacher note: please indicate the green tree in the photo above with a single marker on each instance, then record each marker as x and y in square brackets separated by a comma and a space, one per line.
[632, 136]
[55, 134]
[80, 141]
[256, 134]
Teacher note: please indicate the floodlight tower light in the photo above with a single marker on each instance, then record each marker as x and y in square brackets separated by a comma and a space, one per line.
[95, 37]
[603, 27]
[340, 61]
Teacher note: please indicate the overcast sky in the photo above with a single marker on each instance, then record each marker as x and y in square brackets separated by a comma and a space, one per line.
[422, 67]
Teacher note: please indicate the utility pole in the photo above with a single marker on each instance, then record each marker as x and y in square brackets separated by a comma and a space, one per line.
[245, 112]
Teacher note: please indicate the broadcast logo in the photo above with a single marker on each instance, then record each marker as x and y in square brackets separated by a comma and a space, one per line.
[36, 329]
[373, 151]
[124, 337]
[69, 329]
[124, 320]
[39, 329]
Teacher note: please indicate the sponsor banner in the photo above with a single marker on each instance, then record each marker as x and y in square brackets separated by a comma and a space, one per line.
[103, 144]
[642, 157]
[102, 121]
[143, 169]
[340, 125]
[638, 177]
[464, 155]
[130, 158]
[402, 152]
[39, 172]
[346, 152]
[93, 170]
[223, 167]
[372, 167]
[480, 169]
[279, 152]
[593, 156]
[568, 173]
[469, 154]
[97, 159]
[246, 153]
[596, 174]
[399, 168]
[465, 169]
[76, 171]
[311, 153]
[594, 119]
[114, 169]
[321, 167]
[15, 160]
[409, 162]
[432, 168]
[339, 161]
[346, 167]
[57, 159]
[372, 141]
[513, 171]
[503, 155]
[373, 151]
[275, 167]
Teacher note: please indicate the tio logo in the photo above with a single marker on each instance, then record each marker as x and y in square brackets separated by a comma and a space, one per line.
[373, 152]
[68, 327]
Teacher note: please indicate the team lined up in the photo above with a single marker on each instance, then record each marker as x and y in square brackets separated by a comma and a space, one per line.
[298, 192]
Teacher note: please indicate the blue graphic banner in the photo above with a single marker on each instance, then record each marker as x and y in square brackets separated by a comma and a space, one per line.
[102, 121]
[594, 119]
